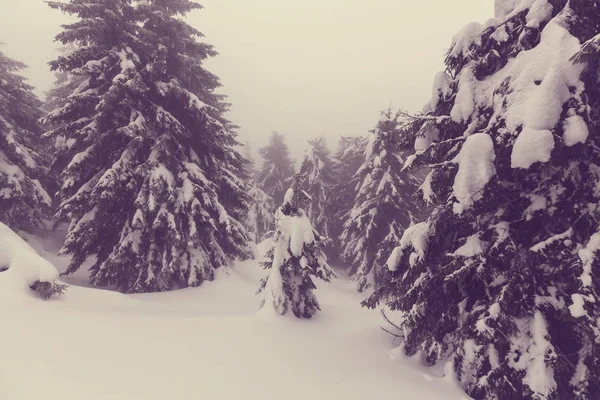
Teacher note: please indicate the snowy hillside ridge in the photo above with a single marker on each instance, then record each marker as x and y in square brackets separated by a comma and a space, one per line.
[22, 267]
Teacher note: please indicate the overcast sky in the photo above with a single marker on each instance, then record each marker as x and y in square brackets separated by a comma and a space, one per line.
[304, 68]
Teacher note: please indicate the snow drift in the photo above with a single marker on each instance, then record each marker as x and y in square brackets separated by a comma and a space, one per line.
[20, 264]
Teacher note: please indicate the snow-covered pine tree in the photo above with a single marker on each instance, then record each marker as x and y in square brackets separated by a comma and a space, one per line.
[347, 160]
[277, 168]
[319, 182]
[153, 188]
[24, 202]
[384, 205]
[295, 256]
[502, 278]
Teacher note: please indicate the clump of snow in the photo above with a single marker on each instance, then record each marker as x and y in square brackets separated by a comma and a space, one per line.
[289, 196]
[431, 135]
[540, 376]
[532, 353]
[475, 169]
[575, 130]
[464, 104]
[472, 247]
[442, 88]
[553, 239]
[500, 35]
[300, 233]
[530, 147]
[274, 298]
[576, 309]
[21, 264]
[587, 256]
[537, 203]
[426, 188]
[540, 12]
[469, 36]
[415, 236]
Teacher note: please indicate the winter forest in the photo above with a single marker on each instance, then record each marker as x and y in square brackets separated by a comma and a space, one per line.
[148, 251]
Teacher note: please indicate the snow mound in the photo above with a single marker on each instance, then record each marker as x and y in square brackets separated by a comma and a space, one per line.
[22, 266]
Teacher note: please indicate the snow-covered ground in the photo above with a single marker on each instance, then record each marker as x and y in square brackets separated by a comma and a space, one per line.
[204, 342]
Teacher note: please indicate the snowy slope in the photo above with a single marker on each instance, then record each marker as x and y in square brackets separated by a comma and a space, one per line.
[209, 341]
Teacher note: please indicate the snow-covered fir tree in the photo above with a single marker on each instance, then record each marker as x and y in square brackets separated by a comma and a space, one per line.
[295, 256]
[347, 160]
[151, 185]
[249, 158]
[502, 278]
[64, 85]
[277, 169]
[24, 201]
[384, 205]
[261, 219]
[319, 182]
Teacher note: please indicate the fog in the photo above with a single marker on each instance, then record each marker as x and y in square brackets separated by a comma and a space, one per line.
[304, 68]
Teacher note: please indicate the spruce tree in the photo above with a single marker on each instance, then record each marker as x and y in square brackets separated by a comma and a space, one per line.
[63, 86]
[501, 279]
[384, 205]
[152, 186]
[277, 168]
[261, 219]
[24, 202]
[347, 160]
[319, 182]
[295, 256]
